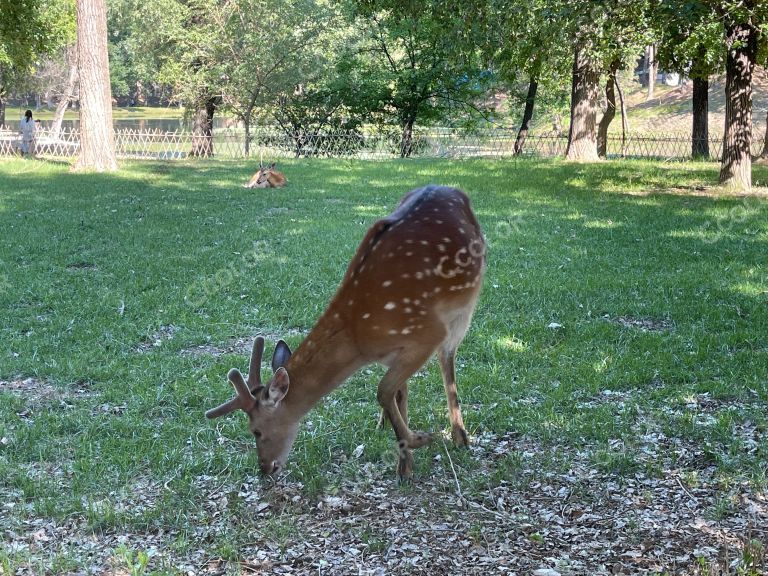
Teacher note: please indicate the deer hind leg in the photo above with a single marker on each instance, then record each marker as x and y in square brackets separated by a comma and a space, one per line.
[447, 367]
[393, 398]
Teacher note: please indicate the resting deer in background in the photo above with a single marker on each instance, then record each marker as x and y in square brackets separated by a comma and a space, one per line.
[409, 291]
[266, 178]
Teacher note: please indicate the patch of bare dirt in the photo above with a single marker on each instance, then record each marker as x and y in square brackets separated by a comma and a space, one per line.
[240, 346]
[36, 390]
[81, 266]
[156, 339]
[532, 517]
[27, 386]
[644, 324]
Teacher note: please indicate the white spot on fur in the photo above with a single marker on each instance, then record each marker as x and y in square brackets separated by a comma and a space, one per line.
[366, 315]
[390, 306]
[386, 283]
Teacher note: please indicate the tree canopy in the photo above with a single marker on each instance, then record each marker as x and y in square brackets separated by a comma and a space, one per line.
[311, 64]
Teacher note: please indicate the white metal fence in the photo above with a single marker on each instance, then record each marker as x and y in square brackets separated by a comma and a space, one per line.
[271, 142]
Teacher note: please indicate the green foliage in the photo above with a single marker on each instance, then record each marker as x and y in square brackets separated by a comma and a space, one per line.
[411, 62]
[691, 37]
[29, 30]
[266, 53]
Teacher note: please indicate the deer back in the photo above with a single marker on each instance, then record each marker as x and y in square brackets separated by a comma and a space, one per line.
[276, 179]
[415, 272]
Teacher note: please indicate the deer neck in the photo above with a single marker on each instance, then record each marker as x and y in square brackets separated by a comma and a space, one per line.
[322, 362]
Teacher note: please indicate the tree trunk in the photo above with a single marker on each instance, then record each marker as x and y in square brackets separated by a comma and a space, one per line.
[2, 108]
[530, 99]
[63, 104]
[582, 141]
[736, 164]
[247, 126]
[651, 59]
[700, 129]
[624, 121]
[406, 140]
[97, 135]
[610, 111]
[764, 153]
[202, 130]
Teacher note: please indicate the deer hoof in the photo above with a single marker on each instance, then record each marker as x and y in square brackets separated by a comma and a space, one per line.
[459, 436]
[405, 467]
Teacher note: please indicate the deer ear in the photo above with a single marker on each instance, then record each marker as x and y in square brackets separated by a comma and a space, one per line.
[271, 166]
[279, 385]
[281, 355]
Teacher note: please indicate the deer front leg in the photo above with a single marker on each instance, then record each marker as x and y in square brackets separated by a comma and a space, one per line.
[393, 398]
[447, 367]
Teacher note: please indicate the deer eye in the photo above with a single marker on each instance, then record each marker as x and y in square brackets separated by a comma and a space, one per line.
[257, 433]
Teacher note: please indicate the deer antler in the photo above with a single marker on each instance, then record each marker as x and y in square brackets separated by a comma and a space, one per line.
[244, 399]
[254, 368]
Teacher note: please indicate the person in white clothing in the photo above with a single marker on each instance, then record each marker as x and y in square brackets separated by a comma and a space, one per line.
[28, 134]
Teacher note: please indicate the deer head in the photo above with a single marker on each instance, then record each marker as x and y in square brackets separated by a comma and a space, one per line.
[263, 404]
[266, 177]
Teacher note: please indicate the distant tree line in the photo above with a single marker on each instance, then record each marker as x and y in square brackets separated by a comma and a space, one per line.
[308, 65]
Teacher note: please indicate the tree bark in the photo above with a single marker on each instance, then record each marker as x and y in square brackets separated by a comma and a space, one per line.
[610, 111]
[651, 59]
[624, 121]
[582, 141]
[530, 99]
[700, 128]
[2, 108]
[736, 164]
[202, 130]
[764, 153]
[247, 126]
[97, 136]
[406, 140]
[63, 103]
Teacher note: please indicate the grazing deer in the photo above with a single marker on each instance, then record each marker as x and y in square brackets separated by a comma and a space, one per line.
[266, 178]
[409, 291]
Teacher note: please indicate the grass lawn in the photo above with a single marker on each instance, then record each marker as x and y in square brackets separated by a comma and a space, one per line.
[614, 380]
[118, 113]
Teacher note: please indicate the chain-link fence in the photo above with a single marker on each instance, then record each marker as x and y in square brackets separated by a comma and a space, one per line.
[271, 142]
